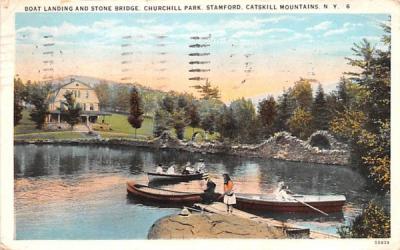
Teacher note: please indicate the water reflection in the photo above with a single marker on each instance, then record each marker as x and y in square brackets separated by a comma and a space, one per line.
[250, 175]
[53, 178]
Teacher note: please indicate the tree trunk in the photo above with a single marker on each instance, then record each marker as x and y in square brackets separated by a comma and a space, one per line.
[135, 133]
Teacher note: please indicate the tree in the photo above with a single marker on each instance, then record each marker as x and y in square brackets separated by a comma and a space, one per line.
[342, 95]
[37, 96]
[283, 113]
[135, 117]
[72, 112]
[377, 156]
[207, 91]
[150, 101]
[121, 97]
[373, 76]
[208, 123]
[366, 124]
[180, 122]
[162, 122]
[373, 222]
[300, 123]
[267, 113]
[193, 115]
[245, 117]
[19, 90]
[103, 92]
[302, 93]
[182, 102]
[226, 124]
[168, 104]
[319, 110]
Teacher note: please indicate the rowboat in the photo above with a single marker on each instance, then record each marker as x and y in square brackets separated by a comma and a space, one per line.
[164, 177]
[162, 195]
[296, 203]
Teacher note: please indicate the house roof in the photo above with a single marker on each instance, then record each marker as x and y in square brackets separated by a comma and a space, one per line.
[56, 90]
[71, 81]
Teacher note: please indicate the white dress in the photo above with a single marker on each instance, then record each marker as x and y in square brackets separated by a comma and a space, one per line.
[230, 199]
[171, 170]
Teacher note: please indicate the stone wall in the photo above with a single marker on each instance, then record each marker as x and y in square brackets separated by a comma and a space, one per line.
[281, 146]
[287, 147]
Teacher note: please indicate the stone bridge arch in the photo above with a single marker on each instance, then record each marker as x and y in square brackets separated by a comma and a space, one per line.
[324, 140]
[202, 133]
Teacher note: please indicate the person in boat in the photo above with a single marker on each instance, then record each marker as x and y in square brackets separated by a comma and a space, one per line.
[200, 166]
[283, 192]
[229, 195]
[209, 191]
[159, 169]
[171, 170]
[188, 169]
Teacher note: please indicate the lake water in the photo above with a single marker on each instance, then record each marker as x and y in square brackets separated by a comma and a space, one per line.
[79, 192]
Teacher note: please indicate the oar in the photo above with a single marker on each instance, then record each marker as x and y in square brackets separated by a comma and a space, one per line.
[308, 205]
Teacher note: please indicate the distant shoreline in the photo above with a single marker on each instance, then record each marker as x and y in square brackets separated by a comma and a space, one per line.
[289, 148]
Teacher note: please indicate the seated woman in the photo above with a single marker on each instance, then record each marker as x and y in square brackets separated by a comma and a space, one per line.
[159, 169]
[209, 191]
[171, 170]
[188, 169]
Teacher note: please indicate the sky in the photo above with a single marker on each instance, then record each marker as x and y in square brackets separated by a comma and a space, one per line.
[250, 55]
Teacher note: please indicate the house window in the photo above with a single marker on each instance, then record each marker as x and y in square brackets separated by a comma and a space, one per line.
[87, 94]
[84, 106]
[91, 106]
[79, 93]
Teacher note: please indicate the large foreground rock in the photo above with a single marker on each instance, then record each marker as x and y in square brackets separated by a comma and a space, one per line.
[206, 226]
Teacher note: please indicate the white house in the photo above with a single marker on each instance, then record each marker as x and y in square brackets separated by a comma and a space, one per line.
[85, 97]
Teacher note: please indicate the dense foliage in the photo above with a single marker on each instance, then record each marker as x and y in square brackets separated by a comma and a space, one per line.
[37, 96]
[70, 110]
[372, 223]
[18, 99]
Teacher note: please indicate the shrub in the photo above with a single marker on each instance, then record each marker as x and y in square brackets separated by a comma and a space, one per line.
[372, 223]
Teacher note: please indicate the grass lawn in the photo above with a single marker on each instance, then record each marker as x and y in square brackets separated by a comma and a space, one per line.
[58, 135]
[120, 125]
[26, 130]
[26, 126]
[118, 122]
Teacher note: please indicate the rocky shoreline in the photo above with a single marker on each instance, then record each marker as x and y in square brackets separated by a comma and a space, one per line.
[211, 226]
[282, 146]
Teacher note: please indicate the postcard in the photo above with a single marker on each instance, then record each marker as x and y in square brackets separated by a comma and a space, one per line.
[181, 124]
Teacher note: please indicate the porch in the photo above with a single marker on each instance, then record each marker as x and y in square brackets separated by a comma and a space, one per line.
[86, 117]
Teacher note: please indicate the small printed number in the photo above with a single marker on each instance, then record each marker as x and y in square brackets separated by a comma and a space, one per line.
[381, 242]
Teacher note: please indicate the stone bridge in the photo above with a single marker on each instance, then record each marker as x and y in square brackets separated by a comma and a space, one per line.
[321, 147]
[284, 146]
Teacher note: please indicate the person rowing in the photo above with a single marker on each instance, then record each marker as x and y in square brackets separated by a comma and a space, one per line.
[286, 195]
[188, 169]
[283, 192]
[200, 166]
